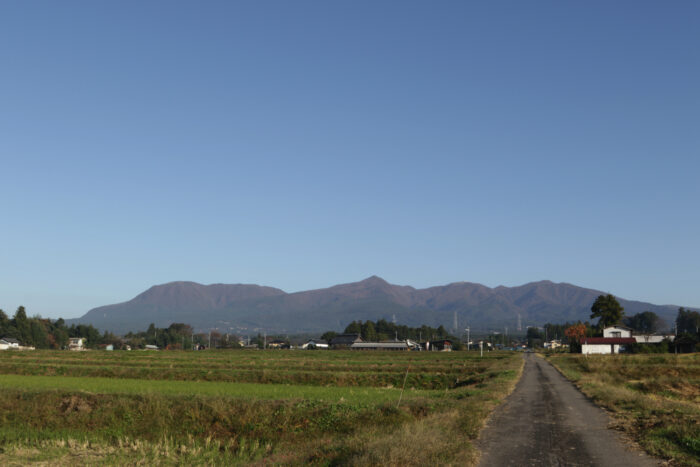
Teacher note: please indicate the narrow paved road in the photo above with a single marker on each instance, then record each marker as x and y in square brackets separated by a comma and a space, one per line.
[547, 421]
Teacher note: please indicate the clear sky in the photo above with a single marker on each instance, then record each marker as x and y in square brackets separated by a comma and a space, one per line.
[303, 144]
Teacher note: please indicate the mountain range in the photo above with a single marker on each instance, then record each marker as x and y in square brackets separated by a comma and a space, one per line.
[247, 308]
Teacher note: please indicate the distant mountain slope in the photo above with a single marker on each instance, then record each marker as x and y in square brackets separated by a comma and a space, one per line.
[173, 302]
[244, 308]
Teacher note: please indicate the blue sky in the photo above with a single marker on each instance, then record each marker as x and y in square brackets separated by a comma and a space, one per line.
[304, 144]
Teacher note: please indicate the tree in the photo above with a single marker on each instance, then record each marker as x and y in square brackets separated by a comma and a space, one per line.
[576, 332]
[328, 335]
[39, 336]
[534, 337]
[647, 322]
[608, 310]
[687, 321]
[368, 331]
[353, 328]
[21, 322]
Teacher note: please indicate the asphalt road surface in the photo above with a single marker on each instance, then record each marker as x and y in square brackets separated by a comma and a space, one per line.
[547, 421]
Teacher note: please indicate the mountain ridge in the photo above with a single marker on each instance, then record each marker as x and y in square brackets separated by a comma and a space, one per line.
[248, 308]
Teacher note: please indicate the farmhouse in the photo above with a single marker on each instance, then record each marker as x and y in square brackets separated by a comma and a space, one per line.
[605, 345]
[9, 343]
[614, 340]
[77, 343]
[278, 344]
[344, 341]
[653, 339]
[553, 344]
[441, 345]
[617, 331]
[392, 345]
[313, 344]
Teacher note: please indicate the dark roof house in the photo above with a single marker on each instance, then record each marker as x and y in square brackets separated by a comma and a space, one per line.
[344, 340]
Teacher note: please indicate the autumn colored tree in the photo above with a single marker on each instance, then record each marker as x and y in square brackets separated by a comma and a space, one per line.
[576, 332]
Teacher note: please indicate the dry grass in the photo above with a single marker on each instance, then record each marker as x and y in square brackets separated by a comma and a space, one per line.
[655, 398]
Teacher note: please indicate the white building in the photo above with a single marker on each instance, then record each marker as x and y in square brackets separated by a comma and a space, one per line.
[392, 345]
[77, 343]
[9, 343]
[653, 339]
[614, 340]
[312, 344]
[605, 345]
[617, 331]
[553, 344]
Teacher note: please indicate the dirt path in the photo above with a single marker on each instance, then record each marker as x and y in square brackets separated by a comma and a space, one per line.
[547, 421]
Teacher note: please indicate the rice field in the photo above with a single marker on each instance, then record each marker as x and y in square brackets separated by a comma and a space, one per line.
[248, 407]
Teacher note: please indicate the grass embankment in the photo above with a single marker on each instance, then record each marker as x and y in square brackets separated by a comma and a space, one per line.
[656, 398]
[156, 411]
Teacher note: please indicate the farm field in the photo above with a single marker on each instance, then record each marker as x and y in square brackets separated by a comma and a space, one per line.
[654, 397]
[247, 407]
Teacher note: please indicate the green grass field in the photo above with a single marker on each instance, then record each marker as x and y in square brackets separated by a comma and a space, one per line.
[243, 407]
[654, 397]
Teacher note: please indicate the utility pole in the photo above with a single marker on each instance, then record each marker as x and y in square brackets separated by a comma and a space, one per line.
[468, 337]
[209, 340]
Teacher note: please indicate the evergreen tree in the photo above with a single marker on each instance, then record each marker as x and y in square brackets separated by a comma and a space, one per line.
[687, 322]
[608, 310]
[21, 323]
[354, 328]
[647, 322]
[368, 331]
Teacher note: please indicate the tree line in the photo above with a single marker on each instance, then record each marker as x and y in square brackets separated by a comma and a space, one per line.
[383, 330]
[43, 333]
[181, 336]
